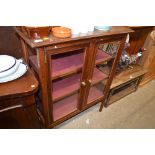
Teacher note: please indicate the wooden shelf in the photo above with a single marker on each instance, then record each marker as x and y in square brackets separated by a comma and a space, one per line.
[65, 107]
[68, 105]
[105, 69]
[70, 85]
[102, 57]
[95, 93]
[63, 66]
[127, 75]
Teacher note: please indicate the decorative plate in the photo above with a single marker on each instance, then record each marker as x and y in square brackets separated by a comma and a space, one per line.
[6, 62]
[20, 72]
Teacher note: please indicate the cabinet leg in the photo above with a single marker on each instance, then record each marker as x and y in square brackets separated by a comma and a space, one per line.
[106, 101]
[101, 107]
[138, 82]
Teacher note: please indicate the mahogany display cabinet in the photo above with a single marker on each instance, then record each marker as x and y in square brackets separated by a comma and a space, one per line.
[69, 71]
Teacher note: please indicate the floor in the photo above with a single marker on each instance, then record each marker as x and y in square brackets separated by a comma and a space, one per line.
[135, 111]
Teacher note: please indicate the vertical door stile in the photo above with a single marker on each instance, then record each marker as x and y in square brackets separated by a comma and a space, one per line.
[85, 75]
[83, 84]
[43, 76]
[91, 57]
[49, 83]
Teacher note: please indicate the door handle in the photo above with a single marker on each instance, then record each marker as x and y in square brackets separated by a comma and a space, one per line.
[83, 83]
[90, 81]
[10, 108]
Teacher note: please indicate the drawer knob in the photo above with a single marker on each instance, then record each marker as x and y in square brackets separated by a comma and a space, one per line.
[33, 86]
[83, 83]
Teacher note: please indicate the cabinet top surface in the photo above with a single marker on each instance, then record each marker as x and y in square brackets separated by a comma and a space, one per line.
[116, 30]
[140, 27]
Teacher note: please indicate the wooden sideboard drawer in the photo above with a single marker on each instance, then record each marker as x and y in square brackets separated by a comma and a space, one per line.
[123, 90]
[17, 117]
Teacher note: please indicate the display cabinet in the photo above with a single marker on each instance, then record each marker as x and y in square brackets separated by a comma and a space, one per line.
[70, 71]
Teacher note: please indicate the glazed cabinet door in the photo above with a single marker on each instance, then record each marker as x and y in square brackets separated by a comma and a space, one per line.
[67, 79]
[106, 56]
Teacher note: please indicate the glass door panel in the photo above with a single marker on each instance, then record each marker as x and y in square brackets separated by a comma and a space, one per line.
[104, 60]
[66, 75]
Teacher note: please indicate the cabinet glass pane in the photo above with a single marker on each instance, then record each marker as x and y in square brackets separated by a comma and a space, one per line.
[67, 63]
[65, 106]
[66, 73]
[106, 52]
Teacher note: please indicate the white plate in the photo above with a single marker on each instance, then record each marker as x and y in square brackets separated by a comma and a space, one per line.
[6, 62]
[12, 70]
[20, 72]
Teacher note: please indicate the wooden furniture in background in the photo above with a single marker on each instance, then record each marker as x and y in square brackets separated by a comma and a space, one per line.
[138, 37]
[125, 83]
[148, 61]
[17, 103]
[129, 79]
[9, 42]
[68, 73]
[141, 38]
